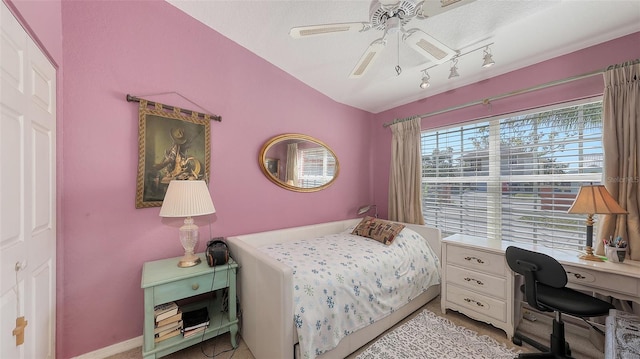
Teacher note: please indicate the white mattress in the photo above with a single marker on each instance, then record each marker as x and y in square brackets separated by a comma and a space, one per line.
[344, 282]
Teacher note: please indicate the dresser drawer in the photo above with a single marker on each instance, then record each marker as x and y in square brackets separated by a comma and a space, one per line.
[187, 287]
[476, 260]
[477, 303]
[487, 284]
[593, 279]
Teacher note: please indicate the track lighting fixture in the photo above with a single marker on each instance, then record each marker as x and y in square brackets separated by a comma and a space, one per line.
[453, 71]
[425, 80]
[488, 59]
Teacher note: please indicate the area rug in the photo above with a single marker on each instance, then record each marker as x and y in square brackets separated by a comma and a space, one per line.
[428, 336]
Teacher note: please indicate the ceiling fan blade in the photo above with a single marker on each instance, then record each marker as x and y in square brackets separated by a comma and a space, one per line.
[427, 46]
[305, 31]
[368, 58]
[432, 7]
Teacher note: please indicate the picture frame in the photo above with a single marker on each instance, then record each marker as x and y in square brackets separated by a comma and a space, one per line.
[171, 146]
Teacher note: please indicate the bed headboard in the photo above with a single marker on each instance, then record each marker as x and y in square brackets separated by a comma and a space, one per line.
[432, 235]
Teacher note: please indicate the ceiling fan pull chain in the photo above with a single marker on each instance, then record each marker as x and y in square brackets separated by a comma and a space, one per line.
[398, 68]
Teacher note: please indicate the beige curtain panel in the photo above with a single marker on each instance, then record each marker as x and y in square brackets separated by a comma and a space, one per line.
[405, 203]
[291, 175]
[620, 133]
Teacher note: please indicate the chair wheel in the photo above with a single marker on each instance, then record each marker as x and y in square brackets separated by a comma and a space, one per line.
[517, 341]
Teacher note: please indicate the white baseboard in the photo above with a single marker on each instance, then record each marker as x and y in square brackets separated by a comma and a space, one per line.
[113, 349]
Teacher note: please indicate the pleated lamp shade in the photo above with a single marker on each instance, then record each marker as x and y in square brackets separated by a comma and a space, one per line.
[595, 199]
[187, 199]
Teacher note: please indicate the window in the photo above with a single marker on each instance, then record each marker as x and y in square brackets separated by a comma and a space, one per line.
[513, 178]
[317, 167]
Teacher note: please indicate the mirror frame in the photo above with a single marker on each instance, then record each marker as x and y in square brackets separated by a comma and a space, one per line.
[294, 136]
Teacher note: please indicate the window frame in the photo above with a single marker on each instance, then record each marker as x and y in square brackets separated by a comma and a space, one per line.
[495, 179]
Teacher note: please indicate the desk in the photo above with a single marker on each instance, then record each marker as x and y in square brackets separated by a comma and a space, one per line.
[477, 281]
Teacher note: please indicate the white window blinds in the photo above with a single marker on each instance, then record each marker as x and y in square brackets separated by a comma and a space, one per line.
[317, 167]
[513, 178]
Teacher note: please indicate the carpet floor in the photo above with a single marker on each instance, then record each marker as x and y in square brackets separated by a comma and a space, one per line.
[578, 338]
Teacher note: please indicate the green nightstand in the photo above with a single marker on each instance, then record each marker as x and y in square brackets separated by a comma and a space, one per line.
[163, 281]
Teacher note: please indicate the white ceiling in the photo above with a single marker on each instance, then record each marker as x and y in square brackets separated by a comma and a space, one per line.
[522, 32]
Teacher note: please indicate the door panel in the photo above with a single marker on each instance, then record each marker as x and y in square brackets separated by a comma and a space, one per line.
[27, 193]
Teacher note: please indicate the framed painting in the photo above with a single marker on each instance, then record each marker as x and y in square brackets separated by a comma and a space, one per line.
[171, 146]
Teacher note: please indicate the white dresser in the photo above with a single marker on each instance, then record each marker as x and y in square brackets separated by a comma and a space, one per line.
[477, 282]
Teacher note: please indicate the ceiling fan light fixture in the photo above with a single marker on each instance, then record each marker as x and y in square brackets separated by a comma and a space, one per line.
[487, 58]
[392, 25]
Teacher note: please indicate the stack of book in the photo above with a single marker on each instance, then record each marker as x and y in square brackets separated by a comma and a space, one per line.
[168, 319]
[195, 321]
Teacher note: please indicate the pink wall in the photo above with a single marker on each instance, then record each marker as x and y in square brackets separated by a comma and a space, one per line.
[573, 64]
[112, 48]
[43, 20]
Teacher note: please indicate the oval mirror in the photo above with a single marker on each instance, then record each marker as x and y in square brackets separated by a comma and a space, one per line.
[298, 162]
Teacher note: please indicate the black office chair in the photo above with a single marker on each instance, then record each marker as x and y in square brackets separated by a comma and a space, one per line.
[544, 289]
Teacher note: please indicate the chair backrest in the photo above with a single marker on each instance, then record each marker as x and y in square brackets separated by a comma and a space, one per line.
[536, 268]
[548, 271]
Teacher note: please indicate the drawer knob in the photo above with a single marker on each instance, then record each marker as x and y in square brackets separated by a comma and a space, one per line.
[473, 301]
[195, 286]
[478, 260]
[577, 275]
[479, 282]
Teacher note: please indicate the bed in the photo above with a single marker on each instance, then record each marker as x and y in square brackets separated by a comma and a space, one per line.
[266, 292]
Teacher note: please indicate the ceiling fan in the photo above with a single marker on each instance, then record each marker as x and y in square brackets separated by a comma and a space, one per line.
[391, 16]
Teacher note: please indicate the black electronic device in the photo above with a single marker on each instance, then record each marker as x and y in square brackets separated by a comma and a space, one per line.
[217, 252]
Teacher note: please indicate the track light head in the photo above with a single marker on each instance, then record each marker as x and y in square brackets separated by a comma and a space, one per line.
[453, 72]
[425, 80]
[488, 59]
[425, 83]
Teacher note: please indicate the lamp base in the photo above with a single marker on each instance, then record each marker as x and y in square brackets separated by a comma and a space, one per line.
[589, 256]
[189, 236]
[189, 261]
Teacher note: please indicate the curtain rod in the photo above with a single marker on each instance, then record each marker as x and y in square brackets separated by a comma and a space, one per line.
[131, 98]
[488, 100]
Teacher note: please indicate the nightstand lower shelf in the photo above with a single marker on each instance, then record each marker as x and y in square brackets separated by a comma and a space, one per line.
[164, 282]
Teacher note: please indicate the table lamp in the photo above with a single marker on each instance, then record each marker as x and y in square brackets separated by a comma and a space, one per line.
[594, 199]
[187, 199]
[364, 209]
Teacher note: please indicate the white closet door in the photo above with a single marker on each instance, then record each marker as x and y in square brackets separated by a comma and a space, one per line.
[27, 193]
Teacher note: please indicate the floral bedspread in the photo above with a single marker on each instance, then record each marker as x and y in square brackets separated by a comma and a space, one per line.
[343, 282]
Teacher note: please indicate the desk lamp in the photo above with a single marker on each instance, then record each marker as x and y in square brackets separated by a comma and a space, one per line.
[594, 199]
[364, 209]
[187, 199]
